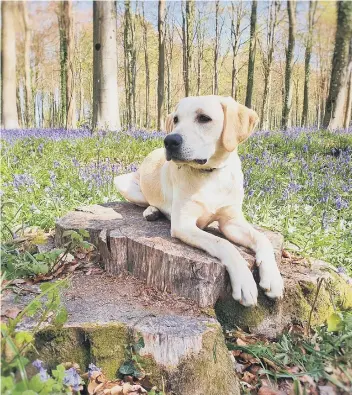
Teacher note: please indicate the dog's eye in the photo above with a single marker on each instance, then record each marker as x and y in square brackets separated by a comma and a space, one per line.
[203, 118]
[175, 119]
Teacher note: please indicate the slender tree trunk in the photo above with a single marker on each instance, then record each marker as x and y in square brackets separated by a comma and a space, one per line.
[9, 115]
[286, 111]
[63, 62]
[130, 67]
[251, 58]
[27, 68]
[308, 53]
[147, 72]
[347, 120]
[216, 50]
[187, 40]
[334, 110]
[105, 89]
[161, 64]
[200, 49]
[267, 62]
[169, 58]
[235, 40]
[69, 69]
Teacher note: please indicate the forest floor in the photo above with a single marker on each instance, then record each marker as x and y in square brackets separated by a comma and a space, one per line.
[297, 182]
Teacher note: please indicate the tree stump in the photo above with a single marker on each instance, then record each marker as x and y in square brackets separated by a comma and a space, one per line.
[130, 244]
[184, 349]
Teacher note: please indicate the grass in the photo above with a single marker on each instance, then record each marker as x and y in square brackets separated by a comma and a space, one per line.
[297, 182]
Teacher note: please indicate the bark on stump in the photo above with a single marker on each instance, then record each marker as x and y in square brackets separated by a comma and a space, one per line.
[129, 243]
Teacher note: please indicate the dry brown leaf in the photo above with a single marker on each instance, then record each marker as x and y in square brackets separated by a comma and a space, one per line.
[12, 313]
[265, 390]
[241, 342]
[249, 358]
[249, 378]
[327, 390]
[236, 353]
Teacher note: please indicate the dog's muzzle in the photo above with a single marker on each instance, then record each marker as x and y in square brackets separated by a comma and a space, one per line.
[172, 143]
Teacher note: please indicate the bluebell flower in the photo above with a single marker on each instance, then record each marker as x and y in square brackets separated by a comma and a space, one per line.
[72, 379]
[43, 374]
[92, 368]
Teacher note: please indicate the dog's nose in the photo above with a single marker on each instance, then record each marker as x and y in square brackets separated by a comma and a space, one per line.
[172, 142]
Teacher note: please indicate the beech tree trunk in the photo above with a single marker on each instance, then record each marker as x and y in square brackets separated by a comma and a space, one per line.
[147, 71]
[251, 58]
[267, 62]
[286, 110]
[169, 57]
[334, 111]
[130, 64]
[27, 68]
[200, 31]
[216, 50]
[237, 8]
[9, 115]
[349, 94]
[63, 62]
[161, 64]
[187, 42]
[69, 69]
[105, 89]
[308, 53]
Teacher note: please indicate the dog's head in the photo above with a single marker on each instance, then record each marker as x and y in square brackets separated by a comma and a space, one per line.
[206, 127]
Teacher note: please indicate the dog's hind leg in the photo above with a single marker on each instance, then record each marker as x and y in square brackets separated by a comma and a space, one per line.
[129, 187]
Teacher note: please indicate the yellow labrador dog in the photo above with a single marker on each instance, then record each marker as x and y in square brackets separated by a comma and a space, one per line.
[197, 179]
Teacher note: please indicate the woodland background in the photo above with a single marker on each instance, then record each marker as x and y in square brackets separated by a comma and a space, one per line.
[276, 57]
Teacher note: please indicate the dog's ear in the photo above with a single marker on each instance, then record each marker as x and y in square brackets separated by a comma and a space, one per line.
[239, 123]
[169, 123]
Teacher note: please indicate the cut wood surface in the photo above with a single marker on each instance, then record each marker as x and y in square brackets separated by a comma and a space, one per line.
[129, 243]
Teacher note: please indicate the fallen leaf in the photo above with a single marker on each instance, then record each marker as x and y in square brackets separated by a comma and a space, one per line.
[249, 378]
[264, 390]
[249, 358]
[326, 390]
[241, 342]
[12, 313]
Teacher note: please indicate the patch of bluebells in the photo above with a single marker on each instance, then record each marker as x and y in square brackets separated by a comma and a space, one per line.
[303, 174]
[43, 374]
[24, 180]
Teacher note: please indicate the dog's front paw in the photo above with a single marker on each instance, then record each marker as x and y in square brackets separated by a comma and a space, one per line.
[244, 288]
[151, 213]
[270, 278]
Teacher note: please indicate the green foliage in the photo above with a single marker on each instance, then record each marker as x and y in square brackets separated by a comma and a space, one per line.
[293, 184]
[316, 356]
[18, 263]
[15, 345]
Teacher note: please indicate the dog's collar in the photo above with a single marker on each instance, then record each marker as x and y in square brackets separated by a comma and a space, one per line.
[209, 170]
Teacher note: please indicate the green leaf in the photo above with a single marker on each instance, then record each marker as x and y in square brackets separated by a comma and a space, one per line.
[335, 322]
[127, 368]
[33, 308]
[139, 345]
[61, 317]
[83, 233]
[23, 338]
[36, 384]
[7, 383]
[59, 372]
